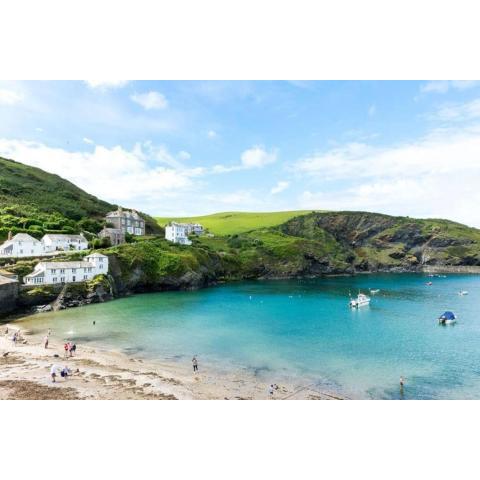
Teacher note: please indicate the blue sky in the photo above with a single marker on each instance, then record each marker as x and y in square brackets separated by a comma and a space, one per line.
[174, 148]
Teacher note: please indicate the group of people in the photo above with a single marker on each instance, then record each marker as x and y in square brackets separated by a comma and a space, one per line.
[70, 348]
[64, 372]
[272, 389]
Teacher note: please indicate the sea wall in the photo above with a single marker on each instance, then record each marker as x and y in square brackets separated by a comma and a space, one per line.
[451, 269]
[8, 296]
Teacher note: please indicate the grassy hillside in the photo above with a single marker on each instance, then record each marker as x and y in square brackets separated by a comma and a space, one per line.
[230, 223]
[37, 202]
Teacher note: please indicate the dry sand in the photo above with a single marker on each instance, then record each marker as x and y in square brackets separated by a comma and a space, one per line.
[99, 374]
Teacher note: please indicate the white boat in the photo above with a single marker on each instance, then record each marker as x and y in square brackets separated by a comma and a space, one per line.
[463, 292]
[373, 291]
[360, 301]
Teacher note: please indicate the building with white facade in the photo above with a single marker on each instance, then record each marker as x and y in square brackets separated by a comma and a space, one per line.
[55, 242]
[50, 273]
[177, 233]
[195, 228]
[21, 245]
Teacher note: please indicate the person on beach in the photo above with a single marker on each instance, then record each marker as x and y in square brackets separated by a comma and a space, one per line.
[15, 338]
[73, 349]
[94, 322]
[65, 372]
[65, 347]
[45, 341]
[402, 381]
[195, 364]
[53, 372]
[49, 332]
[271, 390]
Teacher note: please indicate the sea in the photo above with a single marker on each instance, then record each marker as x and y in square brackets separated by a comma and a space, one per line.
[302, 331]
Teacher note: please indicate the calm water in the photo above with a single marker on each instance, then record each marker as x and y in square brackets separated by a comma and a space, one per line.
[304, 330]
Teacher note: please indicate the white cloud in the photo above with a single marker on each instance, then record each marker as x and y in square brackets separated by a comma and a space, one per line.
[133, 178]
[38, 129]
[104, 84]
[10, 97]
[183, 155]
[436, 176]
[150, 100]
[211, 134]
[88, 140]
[443, 86]
[372, 110]
[458, 111]
[280, 187]
[257, 157]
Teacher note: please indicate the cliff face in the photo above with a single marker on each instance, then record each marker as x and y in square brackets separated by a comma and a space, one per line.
[382, 242]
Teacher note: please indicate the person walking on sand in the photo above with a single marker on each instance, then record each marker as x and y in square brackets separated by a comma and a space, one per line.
[15, 338]
[195, 364]
[73, 349]
[65, 347]
[45, 341]
[53, 372]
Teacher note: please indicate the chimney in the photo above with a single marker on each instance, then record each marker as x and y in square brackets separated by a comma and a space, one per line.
[10, 235]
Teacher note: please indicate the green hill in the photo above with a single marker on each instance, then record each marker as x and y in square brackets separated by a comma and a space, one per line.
[230, 223]
[36, 202]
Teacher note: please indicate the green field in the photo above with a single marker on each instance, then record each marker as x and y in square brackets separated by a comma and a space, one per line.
[230, 223]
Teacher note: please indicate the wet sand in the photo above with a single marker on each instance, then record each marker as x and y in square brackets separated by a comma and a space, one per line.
[108, 375]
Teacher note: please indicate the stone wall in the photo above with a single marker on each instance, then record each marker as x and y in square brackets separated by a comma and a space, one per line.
[451, 269]
[8, 296]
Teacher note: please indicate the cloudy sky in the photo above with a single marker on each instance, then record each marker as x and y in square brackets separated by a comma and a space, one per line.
[174, 148]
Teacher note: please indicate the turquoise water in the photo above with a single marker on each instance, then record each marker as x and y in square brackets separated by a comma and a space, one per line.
[305, 331]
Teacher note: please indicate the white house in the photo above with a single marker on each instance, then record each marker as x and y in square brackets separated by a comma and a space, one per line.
[54, 242]
[49, 273]
[177, 233]
[21, 245]
[193, 228]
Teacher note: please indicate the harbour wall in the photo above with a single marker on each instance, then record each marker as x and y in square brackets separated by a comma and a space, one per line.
[451, 269]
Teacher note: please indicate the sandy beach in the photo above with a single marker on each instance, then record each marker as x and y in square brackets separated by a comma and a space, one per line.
[98, 374]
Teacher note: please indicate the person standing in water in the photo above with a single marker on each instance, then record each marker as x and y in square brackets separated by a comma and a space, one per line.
[195, 364]
[45, 341]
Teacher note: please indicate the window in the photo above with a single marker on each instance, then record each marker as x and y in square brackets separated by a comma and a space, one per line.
[54, 279]
[62, 270]
[21, 251]
[85, 277]
[62, 279]
[74, 270]
[73, 278]
[53, 270]
[100, 266]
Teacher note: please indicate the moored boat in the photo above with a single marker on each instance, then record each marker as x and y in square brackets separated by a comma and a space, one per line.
[447, 318]
[360, 301]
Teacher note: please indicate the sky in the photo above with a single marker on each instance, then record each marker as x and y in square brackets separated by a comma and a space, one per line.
[172, 148]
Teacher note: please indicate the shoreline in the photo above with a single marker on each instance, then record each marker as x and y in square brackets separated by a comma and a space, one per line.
[19, 313]
[100, 374]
